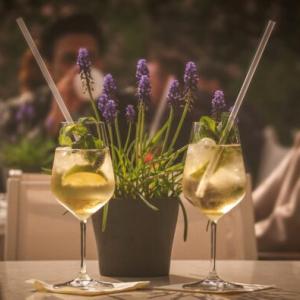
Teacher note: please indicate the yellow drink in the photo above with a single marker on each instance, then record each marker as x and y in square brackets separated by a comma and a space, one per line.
[225, 187]
[82, 180]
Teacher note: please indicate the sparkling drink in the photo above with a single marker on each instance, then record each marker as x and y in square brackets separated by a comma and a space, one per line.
[225, 188]
[82, 180]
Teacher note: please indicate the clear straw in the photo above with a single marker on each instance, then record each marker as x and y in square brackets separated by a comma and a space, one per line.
[239, 100]
[44, 69]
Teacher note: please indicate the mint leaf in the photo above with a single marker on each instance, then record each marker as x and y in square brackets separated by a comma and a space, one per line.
[208, 128]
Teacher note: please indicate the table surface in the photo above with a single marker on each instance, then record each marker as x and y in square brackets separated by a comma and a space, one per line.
[284, 274]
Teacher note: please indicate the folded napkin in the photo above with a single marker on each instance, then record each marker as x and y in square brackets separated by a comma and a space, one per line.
[246, 288]
[42, 286]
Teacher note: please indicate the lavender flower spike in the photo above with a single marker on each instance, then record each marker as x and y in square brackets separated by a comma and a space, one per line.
[174, 94]
[110, 111]
[141, 69]
[109, 85]
[144, 89]
[130, 113]
[218, 103]
[84, 63]
[102, 101]
[190, 76]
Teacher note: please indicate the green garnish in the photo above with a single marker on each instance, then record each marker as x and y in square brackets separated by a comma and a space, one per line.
[214, 129]
[79, 136]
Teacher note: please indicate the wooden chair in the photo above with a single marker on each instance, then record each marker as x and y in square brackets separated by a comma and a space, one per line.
[235, 237]
[36, 228]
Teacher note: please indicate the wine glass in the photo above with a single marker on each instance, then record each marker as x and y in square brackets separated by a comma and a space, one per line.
[83, 182]
[214, 181]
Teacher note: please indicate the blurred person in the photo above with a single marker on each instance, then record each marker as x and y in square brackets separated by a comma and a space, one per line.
[35, 109]
[31, 121]
[164, 67]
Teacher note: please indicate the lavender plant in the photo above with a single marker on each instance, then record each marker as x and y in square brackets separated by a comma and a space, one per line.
[145, 167]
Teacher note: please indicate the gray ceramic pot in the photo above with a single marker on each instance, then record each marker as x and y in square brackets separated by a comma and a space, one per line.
[137, 241]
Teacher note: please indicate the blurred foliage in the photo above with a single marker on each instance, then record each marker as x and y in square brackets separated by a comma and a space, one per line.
[223, 32]
[29, 155]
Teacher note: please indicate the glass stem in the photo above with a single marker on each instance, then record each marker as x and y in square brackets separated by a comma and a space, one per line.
[213, 272]
[83, 247]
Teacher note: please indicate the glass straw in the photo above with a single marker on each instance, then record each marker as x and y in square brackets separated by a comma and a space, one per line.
[239, 100]
[44, 69]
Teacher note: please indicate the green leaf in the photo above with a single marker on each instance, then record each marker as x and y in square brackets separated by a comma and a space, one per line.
[104, 216]
[208, 128]
[208, 123]
[185, 220]
[148, 203]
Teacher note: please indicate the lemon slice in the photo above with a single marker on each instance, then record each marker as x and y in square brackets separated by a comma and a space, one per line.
[84, 176]
[199, 172]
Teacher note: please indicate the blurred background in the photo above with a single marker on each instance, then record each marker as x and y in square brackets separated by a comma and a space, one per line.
[220, 36]
[223, 33]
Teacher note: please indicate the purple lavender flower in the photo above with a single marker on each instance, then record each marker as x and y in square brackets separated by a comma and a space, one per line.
[174, 94]
[130, 113]
[190, 76]
[25, 112]
[102, 101]
[110, 111]
[84, 63]
[144, 88]
[141, 69]
[109, 85]
[218, 103]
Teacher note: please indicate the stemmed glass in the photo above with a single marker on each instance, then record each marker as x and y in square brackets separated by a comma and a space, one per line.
[83, 182]
[214, 193]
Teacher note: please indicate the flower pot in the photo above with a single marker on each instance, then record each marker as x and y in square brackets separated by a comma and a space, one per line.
[137, 241]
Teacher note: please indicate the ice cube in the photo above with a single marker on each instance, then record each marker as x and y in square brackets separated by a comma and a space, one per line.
[207, 142]
[198, 154]
[225, 179]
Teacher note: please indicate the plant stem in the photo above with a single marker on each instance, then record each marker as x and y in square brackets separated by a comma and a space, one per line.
[118, 133]
[185, 110]
[169, 122]
[185, 220]
[142, 124]
[104, 216]
[137, 133]
[128, 137]
[97, 116]
[111, 138]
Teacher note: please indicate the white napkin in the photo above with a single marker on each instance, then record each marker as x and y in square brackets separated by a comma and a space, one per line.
[246, 288]
[42, 286]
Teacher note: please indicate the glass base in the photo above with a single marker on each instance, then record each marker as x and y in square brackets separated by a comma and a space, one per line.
[213, 284]
[85, 282]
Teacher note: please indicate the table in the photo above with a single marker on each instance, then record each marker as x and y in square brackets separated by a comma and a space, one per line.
[285, 275]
